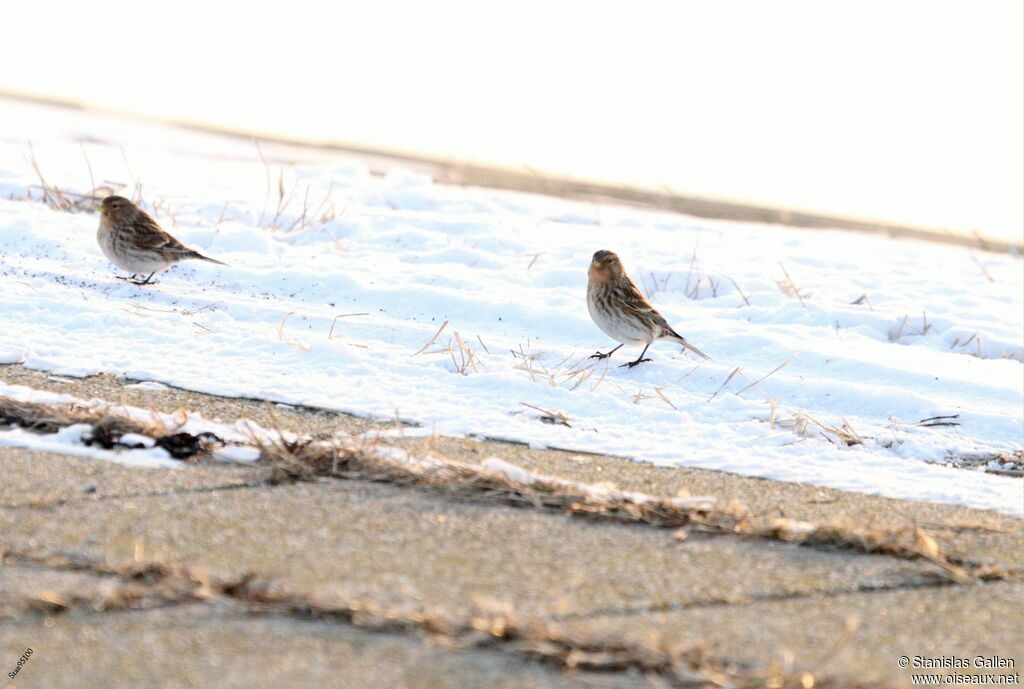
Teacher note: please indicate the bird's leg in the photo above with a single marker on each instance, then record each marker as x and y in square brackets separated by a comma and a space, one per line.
[599, 355]
[148, 278]
[639, 360]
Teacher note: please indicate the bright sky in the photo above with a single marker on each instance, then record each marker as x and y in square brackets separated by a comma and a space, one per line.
[900, 109]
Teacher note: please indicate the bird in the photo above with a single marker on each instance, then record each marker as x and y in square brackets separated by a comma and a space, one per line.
[621, 311]
[132, 240]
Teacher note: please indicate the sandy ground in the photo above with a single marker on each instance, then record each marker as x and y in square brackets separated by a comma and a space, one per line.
[842, 616]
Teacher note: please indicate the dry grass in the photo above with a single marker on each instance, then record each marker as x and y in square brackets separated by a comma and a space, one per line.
[737, 286]
[295, 342]
[63, 199]
[732, 374]
[305, 459]
[975, 351]
[431, 341]
[310, 216]
[789, 288]
[147, 584]
[464, 358]
[862, 299]
[933, 421]
[966, 343]
[696, 280]
[334, 323]
[149, 311]
[50, 418]
[1009, 463]
[904, 328]
[292, 458]
[981, 266]
[806, 426]
[549, 416]
[760, 380]
[572, 372]
[107, 426]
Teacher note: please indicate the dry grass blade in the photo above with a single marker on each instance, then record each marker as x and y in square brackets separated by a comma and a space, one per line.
[294, 342]
[88, 164]
[342, 315]
[789, 287]
[50, 418]
[847, 434]
[136, 184]
[266, 170]
[664, 397]
[895, 335]
[584, 375]
[722, 386]
[548, 416]
[737, 286]
[932, 421]
[800, 423]
[62, 199]
[762, 378]
[52, 196]
[106, 427]
[693, 264]
[431, 340]
[862, 299]
[984, 270]
[956, 342]
[467, 357]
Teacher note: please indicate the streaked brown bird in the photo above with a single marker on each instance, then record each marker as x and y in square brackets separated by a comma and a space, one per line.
[621, 311]
[133, 241]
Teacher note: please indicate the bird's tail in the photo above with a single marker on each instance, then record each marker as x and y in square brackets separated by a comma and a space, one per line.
[196, 254]
[673, 335]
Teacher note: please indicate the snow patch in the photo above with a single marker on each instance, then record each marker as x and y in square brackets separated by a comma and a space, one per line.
[329, 311]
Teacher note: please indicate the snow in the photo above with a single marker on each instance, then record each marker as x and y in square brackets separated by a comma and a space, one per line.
[600, 491]
[151, 458]
[512, 472]
[330, 308]
[69, 440]
[150, 385]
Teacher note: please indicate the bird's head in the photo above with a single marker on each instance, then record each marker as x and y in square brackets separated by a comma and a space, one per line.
[114, 207]
[605, 267]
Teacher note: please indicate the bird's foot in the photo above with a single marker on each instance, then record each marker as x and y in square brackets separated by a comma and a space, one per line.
[631, 364]
[600, 355]
[136, 280]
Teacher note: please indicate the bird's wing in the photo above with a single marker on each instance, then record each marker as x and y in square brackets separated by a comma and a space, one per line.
[634, 301]
[149, 235]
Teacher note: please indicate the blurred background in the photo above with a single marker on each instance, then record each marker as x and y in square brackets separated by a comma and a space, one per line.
[901, 111]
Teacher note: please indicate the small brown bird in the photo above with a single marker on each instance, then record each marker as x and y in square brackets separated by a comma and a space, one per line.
[133, 241]
[620, 310]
